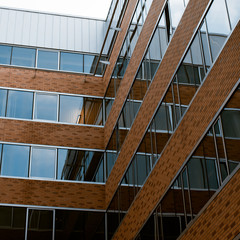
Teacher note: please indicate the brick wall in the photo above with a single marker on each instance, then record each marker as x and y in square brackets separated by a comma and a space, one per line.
[51, 81]
[51, 134]
[211, 96]
[51, 193]
[221, 219]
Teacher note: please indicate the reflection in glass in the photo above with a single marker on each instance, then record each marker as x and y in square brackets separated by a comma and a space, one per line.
[5, 54]
[46, 107]
[231, 123]
[40, 224]
[15, 161]
[62, 159]
[43, 162]
[47, 59]
[217, 20]
[88, 63]
[71, 62]
[23, 57]
[12, 223]
[233, 8]
[177, 9]
[71, 109]
[3, 102]
[20, 104]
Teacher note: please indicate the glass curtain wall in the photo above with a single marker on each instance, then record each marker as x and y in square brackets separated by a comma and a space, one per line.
[145, 74]
[31, 223]
[50, 163]
[51, 107]
[205, 172]
[188, 78]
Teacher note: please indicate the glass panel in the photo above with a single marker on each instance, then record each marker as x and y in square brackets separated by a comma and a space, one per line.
[5, 54]
[88, 63]
[233, 8]
[231, 123]
[15, 160]
[23, 57]
[177, 9]
[43, 162]
[40, 224]
[46, 107]
[20, 104]
[216, 43]
[71, 62]
[217, 21]
[205, 45]
[12, 223]
[3, 102]
[212, 174]
[162, 119]
[70, 109]
[47, 59]
[62, 159]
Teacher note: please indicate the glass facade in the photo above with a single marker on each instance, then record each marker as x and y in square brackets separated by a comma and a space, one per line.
[51, 107]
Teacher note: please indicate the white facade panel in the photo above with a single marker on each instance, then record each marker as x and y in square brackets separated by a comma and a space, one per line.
[4, 25]
[51, 31]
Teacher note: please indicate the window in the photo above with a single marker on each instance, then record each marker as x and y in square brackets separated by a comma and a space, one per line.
[3, 98]
[233, 7]
[43, 162]
[71, 62]
[15, 160]
[88, 63]
[5, 54]
[71, 109]
[23, 57]
[20, 104]
[62, 158]
[47, 60]
[46, 107]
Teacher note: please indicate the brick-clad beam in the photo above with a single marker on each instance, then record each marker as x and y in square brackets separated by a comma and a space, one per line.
[212, 95]
[119, 41]
[157, 89]
[52, 193]
[51, 134]
[44, 80]
[221, 219]
[137, 55]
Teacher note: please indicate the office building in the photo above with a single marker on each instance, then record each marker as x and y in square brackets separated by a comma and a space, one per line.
[124, 128]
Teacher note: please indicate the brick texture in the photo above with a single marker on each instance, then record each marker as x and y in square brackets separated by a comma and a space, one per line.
[211, 96]
[221, 219]
[157, 89]
[51, 193]
[51, 134]
[137, 55]
[119, 41]
[51, 81]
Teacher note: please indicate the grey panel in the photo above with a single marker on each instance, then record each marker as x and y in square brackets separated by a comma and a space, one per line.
[48, 32]
[56, 32]
[51, 31]
[63, 33]
[41, 30]
[26, 28]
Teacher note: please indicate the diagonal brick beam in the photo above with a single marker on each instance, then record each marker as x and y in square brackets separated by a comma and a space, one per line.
[157, 89]
[212, 95]
[221, 219]
[137, 55]
[119, 41]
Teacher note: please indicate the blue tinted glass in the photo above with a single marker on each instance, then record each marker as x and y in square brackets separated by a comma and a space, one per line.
[23, 57]
[70, 109]
[43, 162]
[47, 59]
[3, 98]
[233, 8]
[5, 54]
[88, 62]
[62, 158]
[15, 160]
[20, 104]
[71, 62]
[46, 107]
